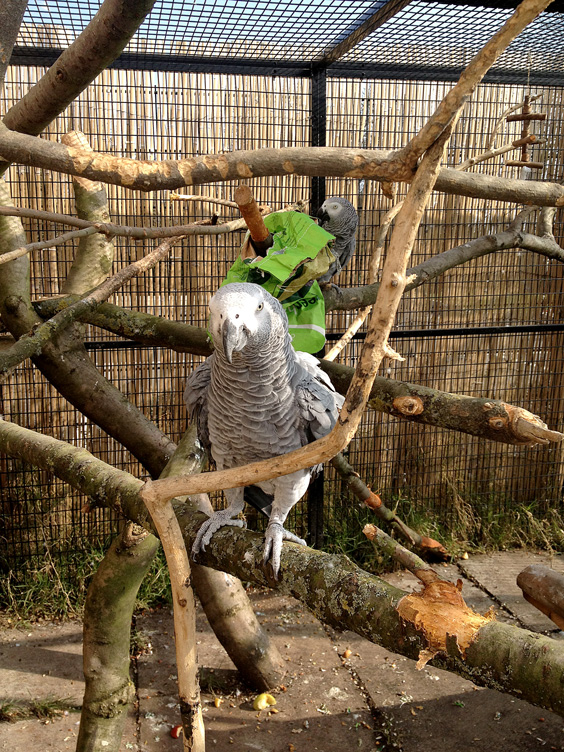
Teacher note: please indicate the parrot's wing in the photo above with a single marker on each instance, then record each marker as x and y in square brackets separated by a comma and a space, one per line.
[317, 399]
[196, 399]
[347, 252]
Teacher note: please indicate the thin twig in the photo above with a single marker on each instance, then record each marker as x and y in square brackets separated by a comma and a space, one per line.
[407, 558]
[141, 233]
[32, 344]
[41, 245]
[202, 199]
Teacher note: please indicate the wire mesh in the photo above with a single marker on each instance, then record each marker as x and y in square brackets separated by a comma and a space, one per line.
[447, 329]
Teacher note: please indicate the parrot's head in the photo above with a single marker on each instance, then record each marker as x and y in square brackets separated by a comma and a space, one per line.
[245, 318]
[338, 216]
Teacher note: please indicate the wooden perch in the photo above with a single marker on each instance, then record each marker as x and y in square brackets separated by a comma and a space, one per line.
[544, 589]
[261, 239]
[340, 594]
[491, 419]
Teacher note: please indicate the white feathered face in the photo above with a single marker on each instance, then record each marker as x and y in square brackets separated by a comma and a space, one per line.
[244, 317]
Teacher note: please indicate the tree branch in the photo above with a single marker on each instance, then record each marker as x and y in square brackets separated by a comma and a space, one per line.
[101, 42]
[478, 416]
[11, 14]
[32, 344]
[338, 299]
[139, 233]
[95, 255]
[42, 244]
[488, 653]
[453, 102]
[373, 164]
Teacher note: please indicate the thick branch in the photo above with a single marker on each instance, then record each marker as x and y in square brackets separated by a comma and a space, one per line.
[339, 593]
[479, 416]
[106, 639]
[141, 327]
[223, 598]
[11, 14]
[95, 255]
[310, 161]
[356, 297]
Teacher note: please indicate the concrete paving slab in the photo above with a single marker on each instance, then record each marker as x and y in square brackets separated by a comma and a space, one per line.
[373, 700]
[57, 734]
[497, 574]
[319, 706]
[41, 662]
[431, 709]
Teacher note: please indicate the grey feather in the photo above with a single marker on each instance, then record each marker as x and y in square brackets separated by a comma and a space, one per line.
[255, 398]
[338, 216]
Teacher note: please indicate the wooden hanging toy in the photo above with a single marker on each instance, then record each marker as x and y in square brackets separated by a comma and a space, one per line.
[526, 138]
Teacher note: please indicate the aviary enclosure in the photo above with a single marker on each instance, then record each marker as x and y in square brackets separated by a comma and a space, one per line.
[362, 75]
[217, 80]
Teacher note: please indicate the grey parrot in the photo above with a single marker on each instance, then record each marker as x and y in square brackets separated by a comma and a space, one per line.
[254, 398]
[338, 216]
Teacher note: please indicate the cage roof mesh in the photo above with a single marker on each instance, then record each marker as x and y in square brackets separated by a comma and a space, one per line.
[437, 34]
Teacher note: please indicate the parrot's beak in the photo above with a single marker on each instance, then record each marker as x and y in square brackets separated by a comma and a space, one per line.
[234, 336]
[322, 215]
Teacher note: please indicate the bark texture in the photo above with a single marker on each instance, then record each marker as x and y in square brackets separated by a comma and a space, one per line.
[488, 653]
[223, 597]
[11, 14]
[105, 37]
[106, 639]
[95, 253]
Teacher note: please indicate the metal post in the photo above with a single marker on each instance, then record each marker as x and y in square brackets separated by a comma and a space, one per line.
[318, 105]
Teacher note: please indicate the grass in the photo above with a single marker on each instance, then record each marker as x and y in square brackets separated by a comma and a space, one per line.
[55, 586]
[469, 527]
[12, 711]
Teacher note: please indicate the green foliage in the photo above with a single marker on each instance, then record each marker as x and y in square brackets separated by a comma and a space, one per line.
[461, 527]
[55, 586]
[48, 708]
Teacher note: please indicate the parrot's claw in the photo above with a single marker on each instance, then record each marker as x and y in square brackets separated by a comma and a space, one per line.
[274, 536]
[212, 525]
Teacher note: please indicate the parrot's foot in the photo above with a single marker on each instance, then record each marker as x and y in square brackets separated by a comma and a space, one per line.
[212, 525]
[273, 538]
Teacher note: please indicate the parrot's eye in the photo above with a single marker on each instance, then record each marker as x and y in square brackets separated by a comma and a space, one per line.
[260, 306]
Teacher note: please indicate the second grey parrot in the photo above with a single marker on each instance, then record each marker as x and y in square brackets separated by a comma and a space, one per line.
[254, 398]
[338, 216]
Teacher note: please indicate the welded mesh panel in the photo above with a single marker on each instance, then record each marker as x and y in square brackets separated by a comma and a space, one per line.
[428, 36]
[153, 115]
[467, 484]
[438, 35]
[146, 115]
[290, 29]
